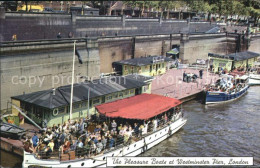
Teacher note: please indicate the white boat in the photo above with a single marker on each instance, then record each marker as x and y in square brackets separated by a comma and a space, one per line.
[254, 79]
[254, 76]
[133, 149]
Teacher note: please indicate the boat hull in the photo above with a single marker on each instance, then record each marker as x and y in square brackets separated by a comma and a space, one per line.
[133, 149]
[254, 80]
[220, 97]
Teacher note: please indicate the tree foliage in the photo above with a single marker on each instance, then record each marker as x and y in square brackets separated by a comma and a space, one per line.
[246, 8]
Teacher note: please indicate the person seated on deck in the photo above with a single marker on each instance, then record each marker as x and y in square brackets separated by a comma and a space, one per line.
[51, 145]
[66, 146]
[99, 147]
[48, 152]
[79, 148]
[111, 142]
[104, 142]
[93, 147]
[28, 147]
[86, 148]
[97, 129]
[41, 149]
[74, 143]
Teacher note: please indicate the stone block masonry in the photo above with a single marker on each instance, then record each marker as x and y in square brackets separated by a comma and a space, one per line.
[44, 59]
[27, 68]
[33, 26]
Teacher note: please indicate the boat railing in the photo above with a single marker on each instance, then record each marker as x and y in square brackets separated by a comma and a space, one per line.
[91, 150]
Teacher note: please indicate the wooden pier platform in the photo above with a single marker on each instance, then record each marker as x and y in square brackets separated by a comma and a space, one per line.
[171, 84]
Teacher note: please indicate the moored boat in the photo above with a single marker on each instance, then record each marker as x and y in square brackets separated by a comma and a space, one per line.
[226, 89]
[11, 131]
[254, 74]
[165, 107]
[254, 79]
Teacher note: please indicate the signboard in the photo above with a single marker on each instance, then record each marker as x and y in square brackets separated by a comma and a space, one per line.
[158, 59]
[201, 61]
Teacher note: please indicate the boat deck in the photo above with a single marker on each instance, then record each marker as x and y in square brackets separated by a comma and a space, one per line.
[171, 83]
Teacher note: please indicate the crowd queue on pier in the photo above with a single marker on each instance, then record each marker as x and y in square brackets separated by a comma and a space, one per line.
[90, 137]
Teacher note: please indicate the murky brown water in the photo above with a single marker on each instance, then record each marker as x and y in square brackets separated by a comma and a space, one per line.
[10, 160]
[230, 129]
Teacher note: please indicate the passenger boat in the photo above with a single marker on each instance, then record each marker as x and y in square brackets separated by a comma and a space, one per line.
[11, 131]
[254, 75]
[138, 145]
[226, 89]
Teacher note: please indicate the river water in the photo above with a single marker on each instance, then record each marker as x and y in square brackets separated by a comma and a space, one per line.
[229, 129]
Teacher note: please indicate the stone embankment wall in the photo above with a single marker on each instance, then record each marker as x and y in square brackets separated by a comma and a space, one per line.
[33, 66]
[43, 59]
[32, 26]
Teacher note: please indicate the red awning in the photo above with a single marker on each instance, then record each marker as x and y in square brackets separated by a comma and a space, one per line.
[141, 107]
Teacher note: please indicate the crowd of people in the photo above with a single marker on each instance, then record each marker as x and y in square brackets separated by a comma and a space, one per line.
[90, 137]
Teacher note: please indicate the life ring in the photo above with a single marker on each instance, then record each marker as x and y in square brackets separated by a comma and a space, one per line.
[55, 112]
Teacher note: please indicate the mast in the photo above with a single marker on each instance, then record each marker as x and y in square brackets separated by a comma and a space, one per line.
[72, 79]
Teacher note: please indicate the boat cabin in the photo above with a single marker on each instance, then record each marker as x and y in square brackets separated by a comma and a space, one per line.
[148, 66]
[52, 106]
[229, 62]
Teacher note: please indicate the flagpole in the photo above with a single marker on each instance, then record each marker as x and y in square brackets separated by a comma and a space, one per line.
[88, 101]
[72, 79]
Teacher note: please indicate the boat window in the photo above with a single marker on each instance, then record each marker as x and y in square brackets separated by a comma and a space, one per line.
[115, 95]
[131, 91]
[96, 101]
[62, 109]
[76, 105]
[109, 97]
[84, 104]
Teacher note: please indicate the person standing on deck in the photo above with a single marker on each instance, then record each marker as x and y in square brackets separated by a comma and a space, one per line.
[114, 125]
[201, 73]
[154, 125]
[35, 140]
[184, 75]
